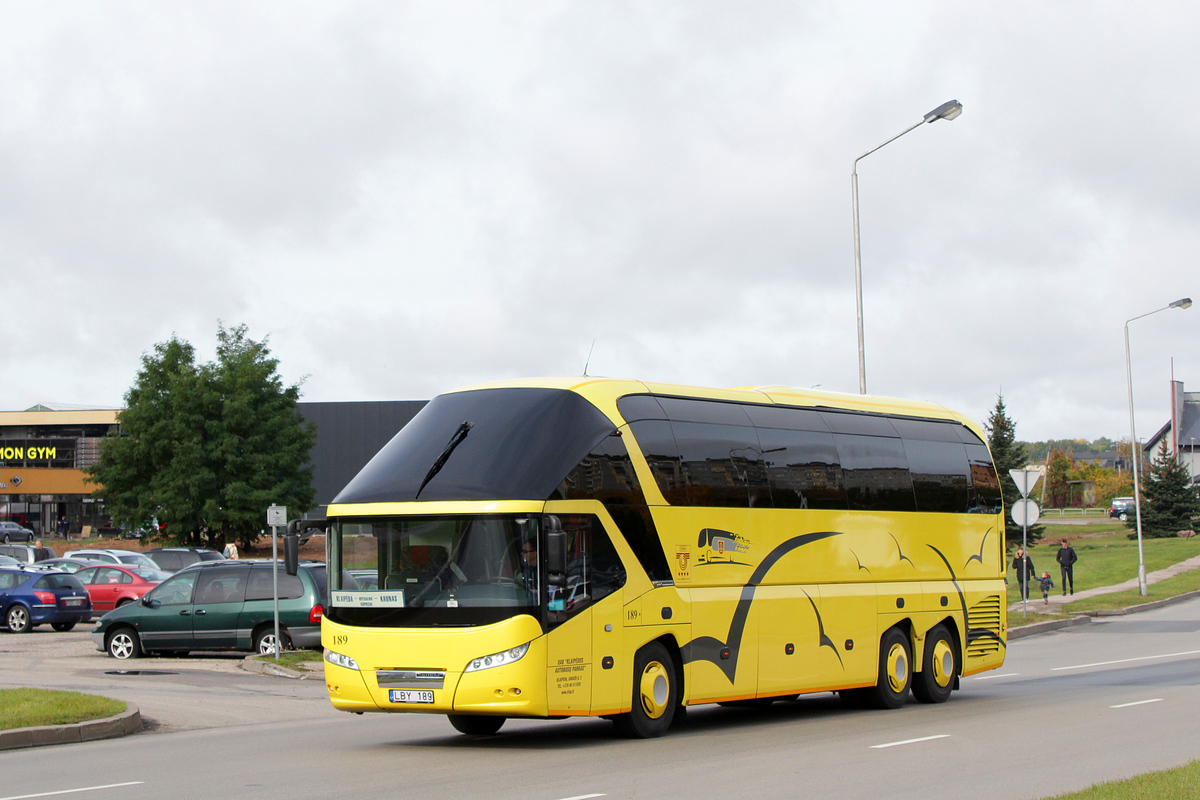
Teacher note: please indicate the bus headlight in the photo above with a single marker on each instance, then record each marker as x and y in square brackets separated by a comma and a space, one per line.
[340, 660]
[498, 659]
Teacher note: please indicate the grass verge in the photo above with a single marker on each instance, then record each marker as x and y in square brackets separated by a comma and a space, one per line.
[28, 708]
[293, 659]
[1181, 783]
[1184, 582]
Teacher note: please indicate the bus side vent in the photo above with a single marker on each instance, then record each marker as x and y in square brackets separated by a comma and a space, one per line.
[983, 623]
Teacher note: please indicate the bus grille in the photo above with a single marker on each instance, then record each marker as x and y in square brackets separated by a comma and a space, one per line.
[983, 624]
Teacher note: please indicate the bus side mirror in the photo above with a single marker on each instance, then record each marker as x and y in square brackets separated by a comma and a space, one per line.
[291, 554]
[556, 553]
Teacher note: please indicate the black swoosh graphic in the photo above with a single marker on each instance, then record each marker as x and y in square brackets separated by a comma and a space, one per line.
[708, 648]
[972, 633]
[824, 640]
[979, 557]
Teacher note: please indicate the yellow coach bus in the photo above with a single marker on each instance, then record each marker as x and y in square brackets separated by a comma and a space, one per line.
[613, 548]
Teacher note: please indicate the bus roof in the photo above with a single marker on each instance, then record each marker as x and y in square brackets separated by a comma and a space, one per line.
[604, 392]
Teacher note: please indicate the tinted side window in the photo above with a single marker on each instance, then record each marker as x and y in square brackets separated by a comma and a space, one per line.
[177, 590]
[940, 474]
[803, 469]
[863, 424]
[8, 580]
[722, 464]
[876, 473]
[605, 474]
[170, 561]
[662, 455]
[985, 486]
[259, 586]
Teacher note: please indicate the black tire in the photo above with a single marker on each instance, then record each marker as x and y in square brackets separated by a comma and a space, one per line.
[895, 672]
[18, 618]
[6, 539]
[655, 694]
[264, 641]
[939, 668]
[62, 627]
[123, 644]
[124, 601]
[475, 725]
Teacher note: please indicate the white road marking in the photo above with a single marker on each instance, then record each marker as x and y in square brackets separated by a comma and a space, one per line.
[576, 797]
[896, 744]
[1001, 675]
[72, 791]
[1121, 661]
[1138, 703]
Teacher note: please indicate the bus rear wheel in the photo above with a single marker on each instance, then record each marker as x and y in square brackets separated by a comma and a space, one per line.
[939, 668]
[475, 725]
[655, 695]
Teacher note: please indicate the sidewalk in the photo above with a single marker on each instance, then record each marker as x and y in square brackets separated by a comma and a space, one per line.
[1057, 599]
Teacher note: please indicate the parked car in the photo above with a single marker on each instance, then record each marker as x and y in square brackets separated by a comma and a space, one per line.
[69, 564]
[110, 586]
[113, 556]
[1121, 508]
[218, 605]
[12, 532]
[173, 559]
[9, 561]
[30, 597]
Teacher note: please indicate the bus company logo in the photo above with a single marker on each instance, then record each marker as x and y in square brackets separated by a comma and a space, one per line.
[683, 555]
[721, 547]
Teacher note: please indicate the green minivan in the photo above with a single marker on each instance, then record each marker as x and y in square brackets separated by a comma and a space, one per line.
[219, 605]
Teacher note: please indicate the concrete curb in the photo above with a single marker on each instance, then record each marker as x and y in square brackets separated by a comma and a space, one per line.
[127, 722]
[252, 664]
[1153, 604]
[1086, 616]
[1045, 627]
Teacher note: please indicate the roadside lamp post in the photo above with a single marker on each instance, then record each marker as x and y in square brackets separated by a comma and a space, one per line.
[947, 110]
[1135, 448]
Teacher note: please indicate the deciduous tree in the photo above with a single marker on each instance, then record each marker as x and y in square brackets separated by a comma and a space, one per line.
[206, 448]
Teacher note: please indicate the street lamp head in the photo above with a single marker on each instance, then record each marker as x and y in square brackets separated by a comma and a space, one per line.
[948, 110]
[1184, 303]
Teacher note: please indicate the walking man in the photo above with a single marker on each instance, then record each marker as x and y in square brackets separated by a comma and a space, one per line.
[1066, 560]
[1023, 565]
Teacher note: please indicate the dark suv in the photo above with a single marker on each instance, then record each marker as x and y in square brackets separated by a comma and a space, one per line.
[1122, 508]
[173, 559]
[219, 605]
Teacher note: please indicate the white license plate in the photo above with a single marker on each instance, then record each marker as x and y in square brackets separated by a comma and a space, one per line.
[73, 601]
[410, 696]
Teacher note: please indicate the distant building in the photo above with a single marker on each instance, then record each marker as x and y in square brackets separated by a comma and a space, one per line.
[1182, 432]
[44, 450]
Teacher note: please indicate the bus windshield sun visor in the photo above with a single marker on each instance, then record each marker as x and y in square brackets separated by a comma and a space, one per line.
[522, 443]
[455, 441]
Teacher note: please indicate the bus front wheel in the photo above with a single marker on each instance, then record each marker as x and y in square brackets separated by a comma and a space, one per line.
[655, 695]
[475, 725]
[939, 668]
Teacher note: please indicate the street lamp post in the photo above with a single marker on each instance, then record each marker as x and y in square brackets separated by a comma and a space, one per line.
[1134, 448]
[947, 110]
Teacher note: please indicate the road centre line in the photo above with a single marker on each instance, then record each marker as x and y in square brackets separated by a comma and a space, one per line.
[896, 744]
[1001, 675]
[1121, 661]
[1138, 703]
[72, 791]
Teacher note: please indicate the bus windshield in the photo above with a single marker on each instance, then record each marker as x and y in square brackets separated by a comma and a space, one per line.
[453, 570]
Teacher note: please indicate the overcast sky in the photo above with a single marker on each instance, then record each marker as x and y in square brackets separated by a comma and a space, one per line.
[408, 197]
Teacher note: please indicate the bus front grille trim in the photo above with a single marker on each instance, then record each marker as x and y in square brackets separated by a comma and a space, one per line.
[410, 678]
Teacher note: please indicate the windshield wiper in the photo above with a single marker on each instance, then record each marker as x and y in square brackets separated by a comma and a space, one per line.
[459, 434]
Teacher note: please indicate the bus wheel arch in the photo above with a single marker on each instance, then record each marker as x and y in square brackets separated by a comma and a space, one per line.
[941, 664]
[657, 687]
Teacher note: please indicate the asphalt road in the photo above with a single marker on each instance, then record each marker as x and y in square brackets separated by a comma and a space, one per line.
[1087, 704]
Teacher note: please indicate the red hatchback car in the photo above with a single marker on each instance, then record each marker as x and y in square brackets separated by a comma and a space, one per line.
[110, 586]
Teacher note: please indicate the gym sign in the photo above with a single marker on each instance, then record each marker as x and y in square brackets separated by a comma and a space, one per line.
[37, 453]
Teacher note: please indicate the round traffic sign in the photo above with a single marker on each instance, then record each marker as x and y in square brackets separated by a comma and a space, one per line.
[1025, 512]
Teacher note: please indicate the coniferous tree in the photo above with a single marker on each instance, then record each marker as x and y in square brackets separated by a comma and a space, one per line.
[1169, 502]
[1007, 454]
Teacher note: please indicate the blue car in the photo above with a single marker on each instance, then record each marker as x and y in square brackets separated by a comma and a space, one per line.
[35, 596]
